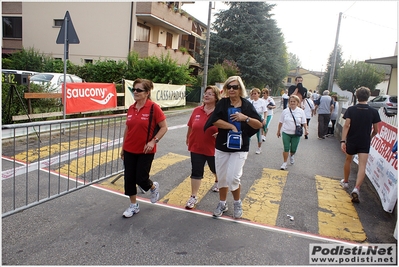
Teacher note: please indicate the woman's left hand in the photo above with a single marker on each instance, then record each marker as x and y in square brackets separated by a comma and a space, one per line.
[238, 116]
[149, 147]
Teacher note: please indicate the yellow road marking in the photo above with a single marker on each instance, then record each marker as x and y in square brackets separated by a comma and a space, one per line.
[262, 202]
[180, 194]
[44, 152]
[337, 215]
[159, 164]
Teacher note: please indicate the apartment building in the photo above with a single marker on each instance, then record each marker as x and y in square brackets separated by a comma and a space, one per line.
[106, 30]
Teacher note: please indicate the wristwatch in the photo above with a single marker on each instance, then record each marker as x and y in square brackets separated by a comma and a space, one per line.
[156, 140]
[247, 120]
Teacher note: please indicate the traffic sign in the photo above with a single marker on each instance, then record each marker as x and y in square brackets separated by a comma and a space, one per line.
[72, 37]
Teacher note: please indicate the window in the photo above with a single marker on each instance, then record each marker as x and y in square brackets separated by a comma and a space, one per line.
[289, 80]
[143, 33]
[58, 22]
[12, 27]
[88, 61]
[169, 38]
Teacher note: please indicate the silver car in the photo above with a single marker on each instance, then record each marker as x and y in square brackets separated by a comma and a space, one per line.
[389, 103]
[53, 81]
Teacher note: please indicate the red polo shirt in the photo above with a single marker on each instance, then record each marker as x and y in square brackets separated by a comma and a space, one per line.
[137, 126]
[201, 142]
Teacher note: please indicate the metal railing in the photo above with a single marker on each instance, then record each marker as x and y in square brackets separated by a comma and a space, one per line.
[45, 160]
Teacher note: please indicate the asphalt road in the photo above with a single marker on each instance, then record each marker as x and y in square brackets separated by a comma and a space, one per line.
[86, 227]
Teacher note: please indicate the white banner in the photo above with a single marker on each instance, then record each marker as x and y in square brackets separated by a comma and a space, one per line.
[382, 166]
[165, 95]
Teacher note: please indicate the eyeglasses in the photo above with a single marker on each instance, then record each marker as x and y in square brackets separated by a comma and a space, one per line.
[138, 90]
[209, 94]
[234, 87]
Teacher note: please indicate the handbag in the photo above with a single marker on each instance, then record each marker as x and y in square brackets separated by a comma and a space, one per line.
[298, 128]
[234, 140]
[156, 129]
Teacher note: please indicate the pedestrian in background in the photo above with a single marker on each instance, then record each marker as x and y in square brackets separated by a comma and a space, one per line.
[289, 119]
[324, 109]
[284, 99]
[201, 144]
[334, 116]
[298, 89]
[230, 162]
[140, 143]
[261, 108]
[309, 109]
[270, 104]
[356, 138]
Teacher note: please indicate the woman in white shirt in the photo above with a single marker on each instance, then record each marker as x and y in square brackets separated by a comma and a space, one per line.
[260, 106]
[308, 105]
[287, 125]
[270, 104]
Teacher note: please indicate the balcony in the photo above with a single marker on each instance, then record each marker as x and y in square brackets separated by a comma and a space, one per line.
[146, 49]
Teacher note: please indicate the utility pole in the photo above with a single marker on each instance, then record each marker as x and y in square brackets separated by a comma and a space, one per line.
[208, 32]
[333, 63]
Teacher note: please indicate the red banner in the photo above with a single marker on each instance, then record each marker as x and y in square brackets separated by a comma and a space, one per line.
[89, 97]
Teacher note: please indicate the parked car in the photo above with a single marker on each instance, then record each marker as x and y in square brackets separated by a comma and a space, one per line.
[53, 81]
[389, 103]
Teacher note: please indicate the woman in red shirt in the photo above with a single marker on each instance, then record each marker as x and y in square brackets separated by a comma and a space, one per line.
[201, 144]
[139, 143]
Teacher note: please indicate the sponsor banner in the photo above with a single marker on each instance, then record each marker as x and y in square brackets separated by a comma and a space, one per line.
[382, 167]
[89, 97]
[337, 254]
[165, 95]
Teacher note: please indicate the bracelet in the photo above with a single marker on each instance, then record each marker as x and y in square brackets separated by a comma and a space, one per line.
[343, 141]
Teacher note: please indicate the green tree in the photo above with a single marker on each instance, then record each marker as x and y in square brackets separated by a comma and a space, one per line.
[247, 35]
[216, 74]
[355, 74]
[293, 61]
[339, 63]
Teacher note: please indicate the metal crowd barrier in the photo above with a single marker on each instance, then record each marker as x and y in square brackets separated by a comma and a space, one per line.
[45, 160]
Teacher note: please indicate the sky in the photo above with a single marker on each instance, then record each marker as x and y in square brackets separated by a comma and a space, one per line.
[368, 29]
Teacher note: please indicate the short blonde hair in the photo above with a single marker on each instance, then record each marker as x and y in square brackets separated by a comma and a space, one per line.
[243, 92]
[265, 91]
[296, 98]
[255, 90]
[215, 90]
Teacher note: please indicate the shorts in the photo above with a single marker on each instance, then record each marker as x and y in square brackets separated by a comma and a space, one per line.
[229, 167]
[353, 149]
[198, 163]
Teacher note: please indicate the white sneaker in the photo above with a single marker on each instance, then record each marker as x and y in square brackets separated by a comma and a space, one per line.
[258, 151]
[155, 193]
[355, 195]
[191, 202]
[215, 187]
[284, 166]
[344, 184]
[292, 160]
[263, 138]
[133, 209]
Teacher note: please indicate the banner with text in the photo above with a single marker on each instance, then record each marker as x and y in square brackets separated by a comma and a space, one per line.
[89, 97]
[382, 166]
[165, 95]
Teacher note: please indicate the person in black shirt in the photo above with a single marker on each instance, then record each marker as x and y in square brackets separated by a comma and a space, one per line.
[298, 89]
[356, 137]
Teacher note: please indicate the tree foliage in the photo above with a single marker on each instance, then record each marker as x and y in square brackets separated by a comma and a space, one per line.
[356, 74]
[293, 61]
[339, 63]
[247, 35]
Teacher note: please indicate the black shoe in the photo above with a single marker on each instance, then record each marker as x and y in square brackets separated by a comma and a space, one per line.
[306, 137]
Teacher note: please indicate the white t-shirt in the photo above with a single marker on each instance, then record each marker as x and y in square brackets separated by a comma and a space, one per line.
[288, 122]
[268, 101]
[260, 106]
[308, 107]
[285, 96]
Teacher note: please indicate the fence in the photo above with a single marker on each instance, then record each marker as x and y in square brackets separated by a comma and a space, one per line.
[392, 120]
[45, 160]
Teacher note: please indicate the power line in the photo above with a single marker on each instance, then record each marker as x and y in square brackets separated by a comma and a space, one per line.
[346, 15]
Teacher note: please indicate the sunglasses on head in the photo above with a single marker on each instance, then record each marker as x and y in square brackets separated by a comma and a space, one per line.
[138, 90]
[235, 87]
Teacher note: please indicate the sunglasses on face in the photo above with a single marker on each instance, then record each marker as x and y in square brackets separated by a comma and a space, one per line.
[138, 90]
[234, 87]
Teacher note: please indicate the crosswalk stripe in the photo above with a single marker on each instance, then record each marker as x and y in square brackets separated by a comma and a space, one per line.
[337, 218]
[262, 202]
[180, 194]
